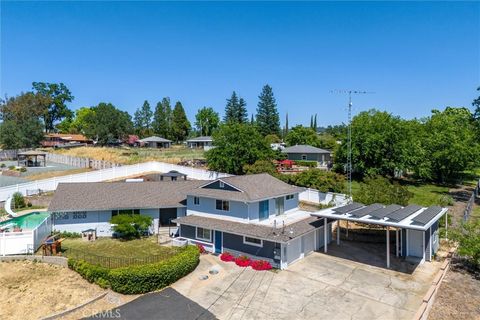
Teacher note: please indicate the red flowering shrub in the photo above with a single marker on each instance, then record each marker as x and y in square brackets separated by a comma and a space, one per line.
[243, 261]
[227, 257]
[260, 265]
[201, 248]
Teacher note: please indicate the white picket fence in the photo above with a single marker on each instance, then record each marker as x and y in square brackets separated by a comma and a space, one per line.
[51, 184]
[80, 162]
[25, 242]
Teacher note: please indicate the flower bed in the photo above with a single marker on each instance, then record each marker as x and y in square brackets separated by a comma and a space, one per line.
[244, 261]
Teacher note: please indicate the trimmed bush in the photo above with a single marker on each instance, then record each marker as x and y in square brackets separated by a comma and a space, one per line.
[140, 279]
[18, 200]
[243, 261]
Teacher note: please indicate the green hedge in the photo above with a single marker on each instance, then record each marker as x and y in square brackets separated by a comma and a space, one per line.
[305, 163]
[140, 279]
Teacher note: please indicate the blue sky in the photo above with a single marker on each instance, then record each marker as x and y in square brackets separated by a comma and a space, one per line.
[415, 56]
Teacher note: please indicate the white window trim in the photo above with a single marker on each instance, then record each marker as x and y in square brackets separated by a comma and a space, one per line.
[303, 155]
[222, 205]
[260, 245]
[288, 195]
[196, 204]
[200, 238]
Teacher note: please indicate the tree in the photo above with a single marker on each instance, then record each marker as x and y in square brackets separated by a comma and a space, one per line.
[260, 166]
[235, 110]
[108, 124]
[450, 144]
[311, 122]
[378, 189]
[206, 121]
[476, 113]
[236, 145]
[252, 120]
[142, 120]
[272, 138]
[180, 124]
[381, 145]
[268, 120]
[325, 181]
[56, 94]
[286, 126]
[301, 135]
[315, 123]
[130, 226]
[468, 238]
[162, 119]
[21, 126]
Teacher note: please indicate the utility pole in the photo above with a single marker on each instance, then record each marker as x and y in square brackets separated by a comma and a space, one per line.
[349, 134]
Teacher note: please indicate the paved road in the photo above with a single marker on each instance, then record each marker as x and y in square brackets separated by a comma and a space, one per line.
[167, 304]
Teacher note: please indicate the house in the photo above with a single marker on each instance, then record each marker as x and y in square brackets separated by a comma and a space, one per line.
[156, 142]
[309, 153]
[200, 142]
[79, 206]
[255, 215]
[56, 139]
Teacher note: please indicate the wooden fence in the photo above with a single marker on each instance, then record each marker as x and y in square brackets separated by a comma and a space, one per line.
[10, 154]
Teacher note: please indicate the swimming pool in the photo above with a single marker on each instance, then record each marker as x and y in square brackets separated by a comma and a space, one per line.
[29, 221]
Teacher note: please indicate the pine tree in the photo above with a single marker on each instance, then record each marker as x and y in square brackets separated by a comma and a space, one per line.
[162, 119]
[241, 112]
[286, 125]
[180, 124]
[315, 123]
[311, 122]
[230, 109]
[252, 120]
[268, 120]
[142, 119]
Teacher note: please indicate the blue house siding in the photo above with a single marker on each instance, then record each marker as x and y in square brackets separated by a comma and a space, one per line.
[319, 157]
[216, 185]
[208, 205]
[190, 232]
[83, 220]
[235, 242]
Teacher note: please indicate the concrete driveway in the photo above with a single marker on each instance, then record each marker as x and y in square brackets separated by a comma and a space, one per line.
[317, 287]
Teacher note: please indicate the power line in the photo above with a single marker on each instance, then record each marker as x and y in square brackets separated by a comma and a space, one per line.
[349, 134]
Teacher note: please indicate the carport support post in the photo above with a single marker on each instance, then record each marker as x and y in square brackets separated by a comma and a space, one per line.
[325, 235]
[388, 247]
[396, 240]
[338, 232]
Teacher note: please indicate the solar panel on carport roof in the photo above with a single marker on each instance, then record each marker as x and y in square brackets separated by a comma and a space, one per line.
[401, 214]
[382, 212]
[367, 210]
[427, 215]
[347, 208]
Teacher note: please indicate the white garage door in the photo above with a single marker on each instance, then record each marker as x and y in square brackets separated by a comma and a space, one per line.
[294, 250]
[308, 242]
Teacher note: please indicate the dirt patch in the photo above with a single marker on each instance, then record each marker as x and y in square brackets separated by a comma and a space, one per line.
[458, 296]
[32, 290]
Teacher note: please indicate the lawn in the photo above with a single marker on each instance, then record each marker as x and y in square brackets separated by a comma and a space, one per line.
[423, 194]
[174, 154]
[115, 253]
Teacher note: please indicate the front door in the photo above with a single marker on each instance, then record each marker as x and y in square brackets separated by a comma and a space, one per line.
[279, 205]
[218, 241]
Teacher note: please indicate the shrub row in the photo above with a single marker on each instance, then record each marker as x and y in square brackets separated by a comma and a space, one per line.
[306, 163]
[244, 261]
[140, 279]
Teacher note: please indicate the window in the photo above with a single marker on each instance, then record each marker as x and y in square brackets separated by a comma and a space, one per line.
[80, 215]
[290, 196]
[304, 157]
[222, 205]
[253, 241]
[204, 234]
[125, 211]
[221, 184]
[196, 201]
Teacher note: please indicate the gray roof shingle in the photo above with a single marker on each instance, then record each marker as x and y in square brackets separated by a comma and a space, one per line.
[154, 139]
[290, 231]
[303, 148]
[121, 195]
[203, 138]
[253, 187]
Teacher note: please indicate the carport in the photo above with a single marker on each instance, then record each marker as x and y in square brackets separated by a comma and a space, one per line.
[416, 228]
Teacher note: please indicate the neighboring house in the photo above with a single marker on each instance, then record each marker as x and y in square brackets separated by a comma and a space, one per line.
[156, 142]
[309, 153]
[200, 142]
[55, 139]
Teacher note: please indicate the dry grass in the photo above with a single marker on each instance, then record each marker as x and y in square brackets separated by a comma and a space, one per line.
[35, 290]
[51, 174]
[174, 154]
